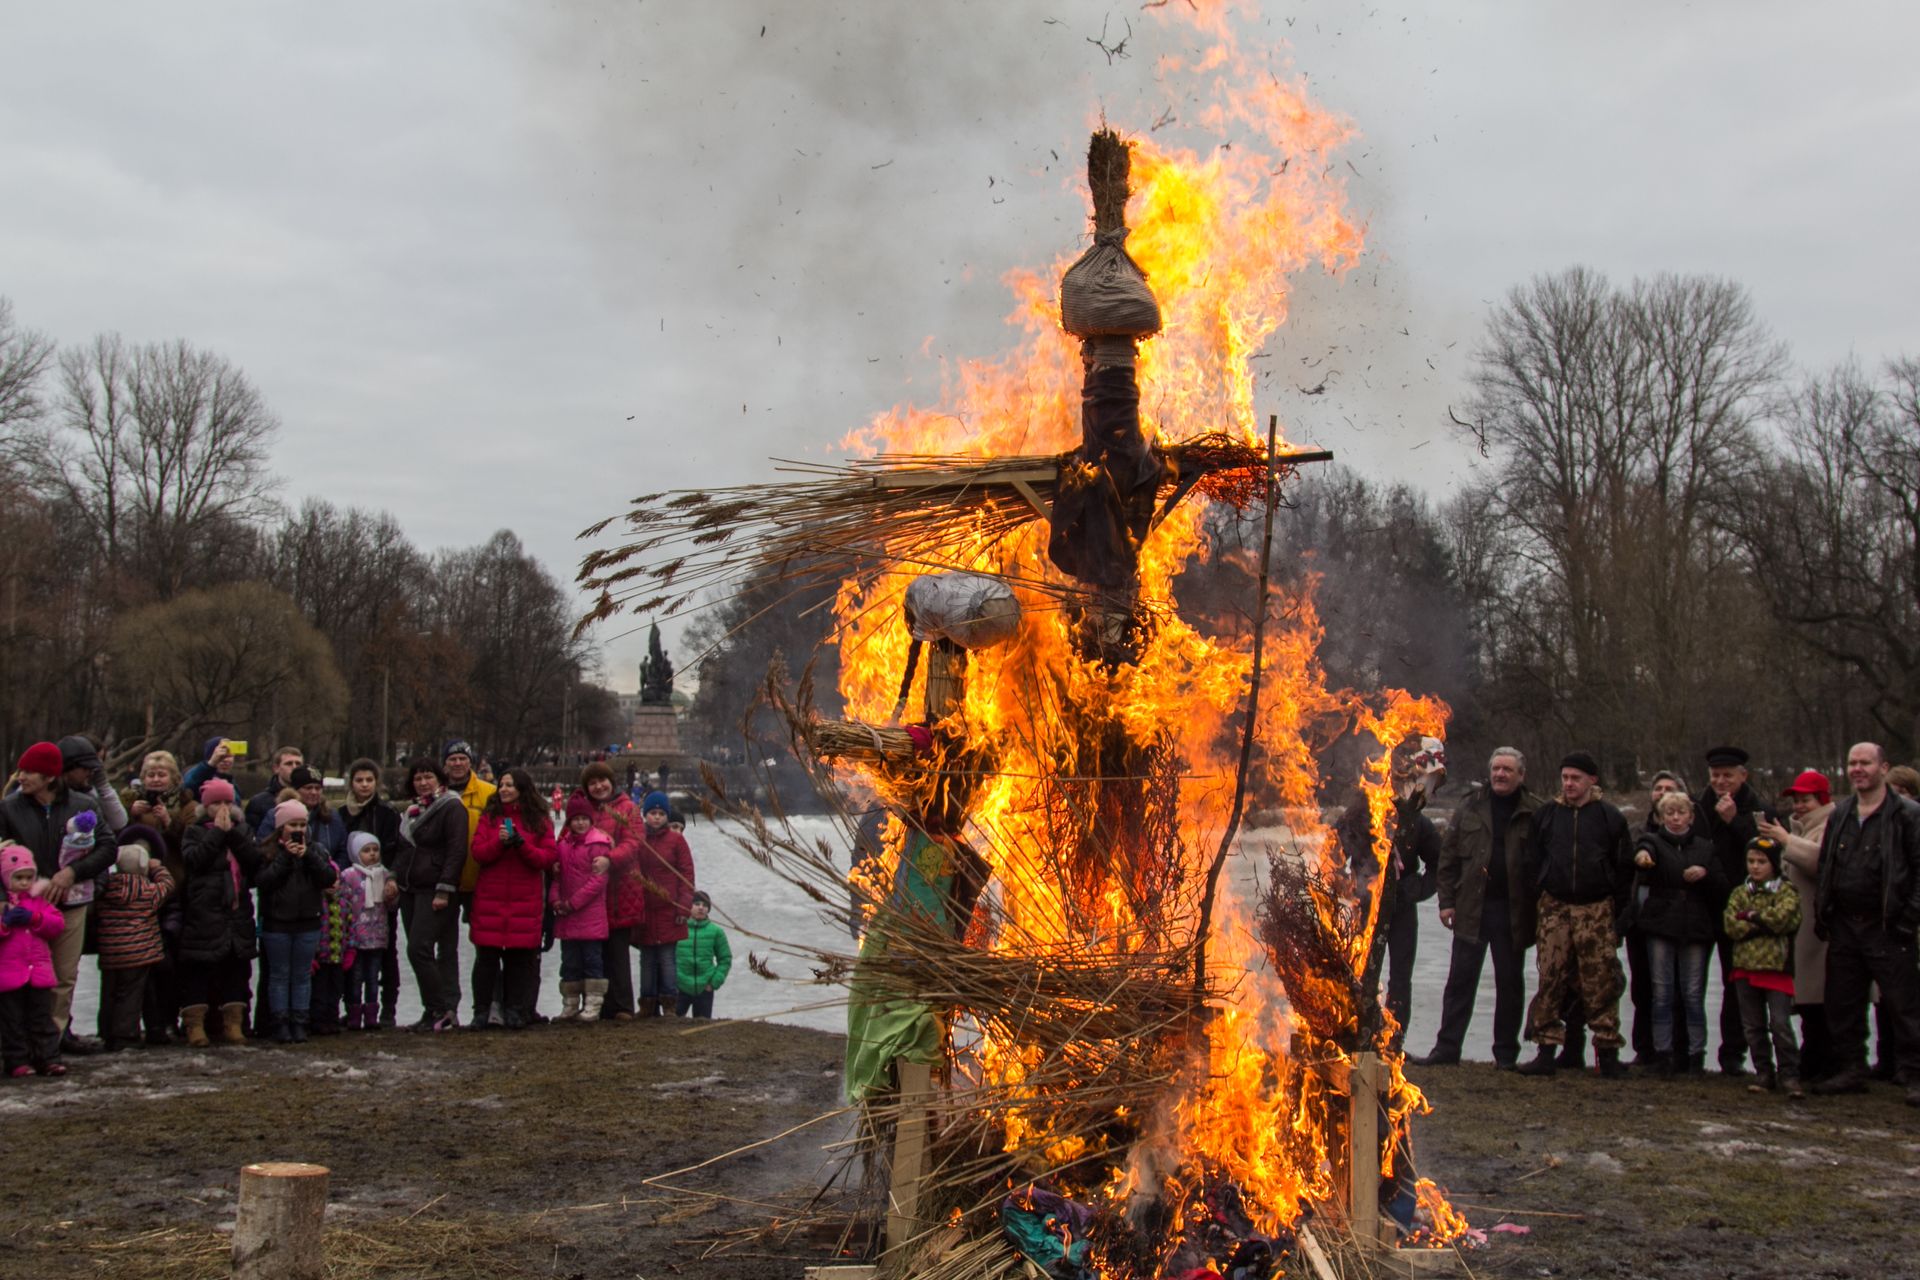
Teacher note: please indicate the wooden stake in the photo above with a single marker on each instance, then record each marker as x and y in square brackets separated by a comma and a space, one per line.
[909, 1156]
[276, 1234]
[1363, 1148]
[946, 681]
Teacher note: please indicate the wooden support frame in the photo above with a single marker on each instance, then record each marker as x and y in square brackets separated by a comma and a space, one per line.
[911, 1133]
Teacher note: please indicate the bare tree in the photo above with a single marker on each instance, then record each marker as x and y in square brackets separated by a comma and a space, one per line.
[24, 357]
[236, 658]
[1836, 535]
[1622, 426]
[160, 449]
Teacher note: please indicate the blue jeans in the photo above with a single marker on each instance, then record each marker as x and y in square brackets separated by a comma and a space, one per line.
[1679, 967]
[363, 984]
[289, 971]
[582, 959]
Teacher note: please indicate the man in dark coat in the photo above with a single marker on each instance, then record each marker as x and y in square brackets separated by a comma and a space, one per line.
[1867, 908]
[1580, 863]
[1482, 878]
[366, 810]
[285, 761]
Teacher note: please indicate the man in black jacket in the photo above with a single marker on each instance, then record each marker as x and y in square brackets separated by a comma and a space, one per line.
[1867, 908]
[365, 810]
[285, 761]
[37, 816]
[1483, 900]
[1581, 865]
[1732, 810]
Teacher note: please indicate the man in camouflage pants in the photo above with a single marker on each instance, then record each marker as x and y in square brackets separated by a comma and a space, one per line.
[1581, 860]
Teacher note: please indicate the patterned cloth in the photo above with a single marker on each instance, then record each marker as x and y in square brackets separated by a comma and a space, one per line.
[1579, 953]
[130, 918]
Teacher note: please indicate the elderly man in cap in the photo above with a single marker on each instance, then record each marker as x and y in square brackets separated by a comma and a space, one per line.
[1867, 906]
[1733, 811]
[1581, 864]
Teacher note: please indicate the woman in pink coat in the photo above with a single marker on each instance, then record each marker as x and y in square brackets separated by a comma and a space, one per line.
[513, 845]
[29, 1040]
[613, 813]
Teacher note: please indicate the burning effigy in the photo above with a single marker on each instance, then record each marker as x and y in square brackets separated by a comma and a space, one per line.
[1078, 1047]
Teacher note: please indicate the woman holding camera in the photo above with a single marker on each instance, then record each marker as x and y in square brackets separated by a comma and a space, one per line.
[293, 880]
[514, 848]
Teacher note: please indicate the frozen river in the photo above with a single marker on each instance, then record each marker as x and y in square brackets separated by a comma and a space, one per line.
[748, 898]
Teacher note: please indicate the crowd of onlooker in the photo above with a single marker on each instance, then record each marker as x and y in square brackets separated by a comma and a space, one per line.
[286, 914]
[1809, 913]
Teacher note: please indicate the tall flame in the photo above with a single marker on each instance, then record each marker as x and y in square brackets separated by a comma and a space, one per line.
[1218, 231]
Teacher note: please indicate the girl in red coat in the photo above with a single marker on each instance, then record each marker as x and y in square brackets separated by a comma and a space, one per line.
[666, 871]
[514, 846]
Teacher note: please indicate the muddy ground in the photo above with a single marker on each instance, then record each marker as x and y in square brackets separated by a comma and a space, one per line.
[1677, 1180]
[496, 1155]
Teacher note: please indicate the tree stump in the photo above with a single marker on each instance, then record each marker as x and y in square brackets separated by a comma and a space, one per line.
[276, 1235]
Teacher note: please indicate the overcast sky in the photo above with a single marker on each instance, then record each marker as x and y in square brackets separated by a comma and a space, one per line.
[506, 264]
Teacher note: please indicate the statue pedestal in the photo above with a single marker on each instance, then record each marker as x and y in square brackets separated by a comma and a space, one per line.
[655, 731]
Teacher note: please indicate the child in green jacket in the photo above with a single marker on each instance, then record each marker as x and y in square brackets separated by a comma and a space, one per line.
[701, 960]
[1762, 916]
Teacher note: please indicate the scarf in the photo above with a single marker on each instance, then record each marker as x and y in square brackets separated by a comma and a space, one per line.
[373, 887]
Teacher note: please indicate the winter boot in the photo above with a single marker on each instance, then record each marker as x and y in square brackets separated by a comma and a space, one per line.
[570, 1001]
[1763, 1082]
[596, 997]
[281, 1028]
[1663, 1065]
[1608, 1060]
[1697, 1064]
[233, 1023]
[297, 1027]
[194, 1017]
[1790, 1085]
[1543, 1063]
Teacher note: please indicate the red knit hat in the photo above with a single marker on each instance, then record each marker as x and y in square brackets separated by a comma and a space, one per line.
[578, 806]
[42, 757]
[1811, 782]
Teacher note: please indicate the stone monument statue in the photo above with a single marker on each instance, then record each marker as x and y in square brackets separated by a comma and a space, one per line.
[656, 672]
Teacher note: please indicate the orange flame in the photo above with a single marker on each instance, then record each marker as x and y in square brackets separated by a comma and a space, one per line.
[1218, 232]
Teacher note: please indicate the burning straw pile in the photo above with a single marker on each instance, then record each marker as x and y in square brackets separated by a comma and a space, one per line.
[1066, 1042]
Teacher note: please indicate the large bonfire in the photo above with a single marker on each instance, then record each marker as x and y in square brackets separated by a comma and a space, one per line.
[1132, 1061]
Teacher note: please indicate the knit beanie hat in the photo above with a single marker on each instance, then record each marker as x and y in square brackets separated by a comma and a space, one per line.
[1582, 761]
[12, 858]
[302, 777]
[655, 800]
[77, 752]
[358, 841]
[458, 747]
[133, 859]
[288, 811]
[578, 806]
[700, 898]
[1771, 848]
[42, 757]
[217, 791]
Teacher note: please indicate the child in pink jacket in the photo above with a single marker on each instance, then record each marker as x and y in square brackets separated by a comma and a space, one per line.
[29, 1040]
[579, 897]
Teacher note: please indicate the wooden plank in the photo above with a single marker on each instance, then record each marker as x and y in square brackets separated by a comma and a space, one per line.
[842, 1271]
[1040, 508]
[1316, 1256]
[909, 1154]
[1363, 1148]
